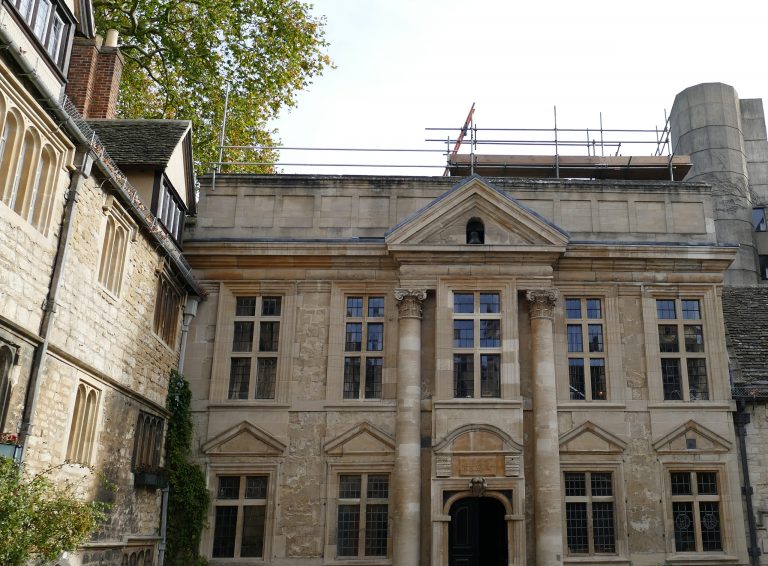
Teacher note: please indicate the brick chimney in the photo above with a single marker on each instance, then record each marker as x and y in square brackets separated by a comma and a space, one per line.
[93, 81]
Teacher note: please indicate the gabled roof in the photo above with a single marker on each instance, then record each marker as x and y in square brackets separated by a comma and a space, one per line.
[509, 224]
[141, 142]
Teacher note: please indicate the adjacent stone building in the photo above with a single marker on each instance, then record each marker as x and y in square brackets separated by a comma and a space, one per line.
[92, 281]
[483, 370]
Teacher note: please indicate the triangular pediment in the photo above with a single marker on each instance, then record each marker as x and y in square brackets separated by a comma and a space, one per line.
[244, 439]
[691, 437]
[507, 223]
[589, 437]
[363, 439]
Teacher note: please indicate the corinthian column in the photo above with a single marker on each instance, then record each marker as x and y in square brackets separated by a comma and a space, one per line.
[546, 451]
[407, 473]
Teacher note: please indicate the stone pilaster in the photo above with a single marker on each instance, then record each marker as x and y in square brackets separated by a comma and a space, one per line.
[407, 473]
[546, 451]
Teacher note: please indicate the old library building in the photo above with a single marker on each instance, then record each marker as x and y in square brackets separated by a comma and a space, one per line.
[504, 366]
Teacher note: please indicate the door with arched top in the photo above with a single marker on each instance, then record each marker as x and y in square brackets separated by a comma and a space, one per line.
[477, 535]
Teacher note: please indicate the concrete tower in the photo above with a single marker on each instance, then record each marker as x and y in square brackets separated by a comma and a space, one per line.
[706, 123]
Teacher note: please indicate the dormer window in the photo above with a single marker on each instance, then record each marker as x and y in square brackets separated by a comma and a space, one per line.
[169, 209]
[48, 21]
[475, 231]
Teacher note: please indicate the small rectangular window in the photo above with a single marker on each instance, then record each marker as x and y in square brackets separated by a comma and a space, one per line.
[665, 309]
[573, 308]
[758, 219]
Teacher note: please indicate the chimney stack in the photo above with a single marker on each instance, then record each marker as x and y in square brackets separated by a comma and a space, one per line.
[93, 81]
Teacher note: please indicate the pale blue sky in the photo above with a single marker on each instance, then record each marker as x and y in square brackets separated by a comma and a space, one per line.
[405, 65]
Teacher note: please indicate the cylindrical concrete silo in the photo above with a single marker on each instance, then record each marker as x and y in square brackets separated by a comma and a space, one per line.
[706, 124]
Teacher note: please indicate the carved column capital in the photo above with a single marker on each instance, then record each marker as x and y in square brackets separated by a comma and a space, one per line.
[542, 302]
[409, 302]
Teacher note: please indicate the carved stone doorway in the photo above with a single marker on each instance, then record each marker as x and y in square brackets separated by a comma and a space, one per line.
[477, 535]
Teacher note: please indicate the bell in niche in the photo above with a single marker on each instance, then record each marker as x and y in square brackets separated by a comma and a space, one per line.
[475, 231]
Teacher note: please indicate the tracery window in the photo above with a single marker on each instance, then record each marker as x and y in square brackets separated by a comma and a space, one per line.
[167, 307]
[117, 233]
[28, 169]
[82, 432]
[148, 442]
[696, 513]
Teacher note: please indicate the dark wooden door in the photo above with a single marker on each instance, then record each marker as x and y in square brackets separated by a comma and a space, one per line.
[477, 535]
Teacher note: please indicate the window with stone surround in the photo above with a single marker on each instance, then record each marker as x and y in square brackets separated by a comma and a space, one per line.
[476, 344]
[82, 431]
[585, 324]
[682, 350]
[240, 516]
[696, 512]
[255, 347]
[362, 515]
[118, 231]
[6, 363]
[167, 307]
[363, 346]
[28, 168]
[148, 442]
[590, 521]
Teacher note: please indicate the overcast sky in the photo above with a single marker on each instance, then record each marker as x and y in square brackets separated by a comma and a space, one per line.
[405, 65]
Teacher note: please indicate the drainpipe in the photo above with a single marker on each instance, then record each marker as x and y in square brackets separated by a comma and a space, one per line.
[49, 308]
[190, 311]
[741, 419]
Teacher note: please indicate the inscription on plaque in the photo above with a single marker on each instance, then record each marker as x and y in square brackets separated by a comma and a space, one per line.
[443, 466]
[477, 465]
[512, 466]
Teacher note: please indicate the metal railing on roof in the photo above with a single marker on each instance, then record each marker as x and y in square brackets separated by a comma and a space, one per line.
[746, 391]
[600, 141]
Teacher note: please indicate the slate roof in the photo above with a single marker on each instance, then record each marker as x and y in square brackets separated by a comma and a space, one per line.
[746, 326]
[140, 142]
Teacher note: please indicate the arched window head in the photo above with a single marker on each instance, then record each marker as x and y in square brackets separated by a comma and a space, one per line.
[475, 231]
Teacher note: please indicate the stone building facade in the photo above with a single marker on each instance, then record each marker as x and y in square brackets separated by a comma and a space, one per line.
[431, 370]
[92, 281]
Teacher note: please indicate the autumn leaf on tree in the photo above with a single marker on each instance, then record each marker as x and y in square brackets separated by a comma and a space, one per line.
[181, 56]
